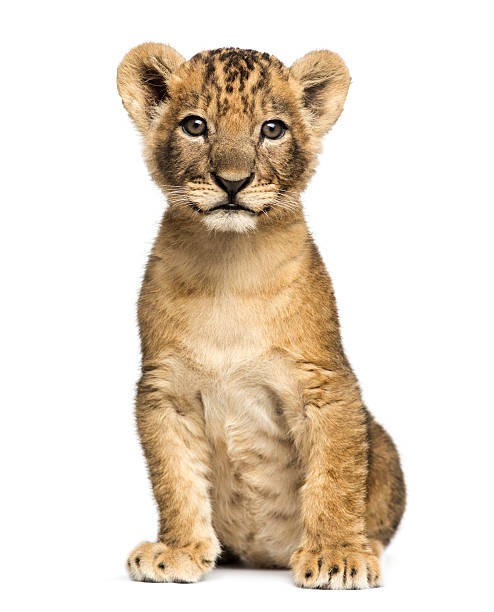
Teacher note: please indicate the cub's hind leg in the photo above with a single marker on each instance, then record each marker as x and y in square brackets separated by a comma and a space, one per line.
[386, 487]
[171, 428]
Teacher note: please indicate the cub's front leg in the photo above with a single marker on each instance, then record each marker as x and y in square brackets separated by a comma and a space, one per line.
[171, 428]
[332, 440]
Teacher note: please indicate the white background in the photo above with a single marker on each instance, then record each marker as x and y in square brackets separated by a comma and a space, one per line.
[401, 208]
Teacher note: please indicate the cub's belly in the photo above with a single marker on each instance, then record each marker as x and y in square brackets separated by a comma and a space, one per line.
[256, 479]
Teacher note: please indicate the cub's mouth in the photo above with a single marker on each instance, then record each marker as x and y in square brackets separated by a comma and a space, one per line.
[233, 208]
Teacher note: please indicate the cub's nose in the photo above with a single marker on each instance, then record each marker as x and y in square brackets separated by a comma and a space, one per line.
[231, 187]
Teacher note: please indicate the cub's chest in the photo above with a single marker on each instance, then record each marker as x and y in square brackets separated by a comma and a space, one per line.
[224, 331]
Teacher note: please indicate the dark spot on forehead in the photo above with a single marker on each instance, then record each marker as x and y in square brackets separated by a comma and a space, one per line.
[247, 105]
[210, 69]
[237, 66]
[223, 106]
[231, 76]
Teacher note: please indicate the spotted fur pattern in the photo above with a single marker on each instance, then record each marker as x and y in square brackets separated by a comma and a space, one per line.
[251, 419]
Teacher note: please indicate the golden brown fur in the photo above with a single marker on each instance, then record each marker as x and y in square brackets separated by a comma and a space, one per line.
[249, 414]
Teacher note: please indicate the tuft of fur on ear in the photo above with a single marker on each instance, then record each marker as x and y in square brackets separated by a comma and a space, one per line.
[143, 80]
[324, 80]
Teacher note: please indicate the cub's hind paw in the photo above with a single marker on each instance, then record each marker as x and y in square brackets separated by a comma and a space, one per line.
[158, 562]
[336, 567]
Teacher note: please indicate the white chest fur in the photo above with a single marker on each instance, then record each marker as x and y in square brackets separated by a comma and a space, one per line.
[221, 332]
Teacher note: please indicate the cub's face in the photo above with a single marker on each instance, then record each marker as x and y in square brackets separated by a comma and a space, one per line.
[231, 135]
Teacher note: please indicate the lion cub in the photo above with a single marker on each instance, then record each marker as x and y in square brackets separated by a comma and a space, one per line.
[257, 441]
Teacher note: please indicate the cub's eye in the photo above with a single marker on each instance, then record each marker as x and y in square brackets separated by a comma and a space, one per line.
[273, 129]
[193, 126]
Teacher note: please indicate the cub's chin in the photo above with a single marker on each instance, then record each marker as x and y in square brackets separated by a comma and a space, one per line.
[239, 221]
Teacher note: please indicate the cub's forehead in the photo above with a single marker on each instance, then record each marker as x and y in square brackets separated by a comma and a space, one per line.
[239, 67]
[240, 78]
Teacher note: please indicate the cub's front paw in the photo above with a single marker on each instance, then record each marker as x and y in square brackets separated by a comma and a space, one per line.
[158, 562]
[336, 567]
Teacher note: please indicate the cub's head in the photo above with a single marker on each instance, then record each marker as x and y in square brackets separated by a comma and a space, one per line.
[231, 135]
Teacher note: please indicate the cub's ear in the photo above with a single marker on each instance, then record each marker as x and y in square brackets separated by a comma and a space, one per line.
[324, 80]
[143, 80]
